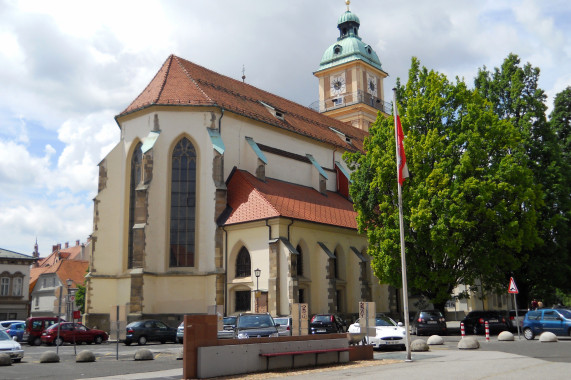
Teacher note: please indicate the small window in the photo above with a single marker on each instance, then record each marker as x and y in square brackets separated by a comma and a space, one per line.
[550, 315]
[243, 300]
[243, 264]
[337, 49]
[301, 295]
[337, 101]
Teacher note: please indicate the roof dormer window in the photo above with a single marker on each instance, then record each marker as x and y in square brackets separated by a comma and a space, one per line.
[279, 114]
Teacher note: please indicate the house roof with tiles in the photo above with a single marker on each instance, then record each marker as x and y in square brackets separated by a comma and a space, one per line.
[251, 199]
[182, 83]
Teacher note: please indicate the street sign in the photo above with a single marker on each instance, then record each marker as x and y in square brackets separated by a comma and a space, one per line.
[513, 287]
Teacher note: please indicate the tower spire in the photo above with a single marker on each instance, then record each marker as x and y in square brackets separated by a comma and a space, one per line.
[348, 2]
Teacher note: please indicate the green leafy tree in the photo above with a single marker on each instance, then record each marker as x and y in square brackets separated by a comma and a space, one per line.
[516, 97]
[470, 204]
[80, 298]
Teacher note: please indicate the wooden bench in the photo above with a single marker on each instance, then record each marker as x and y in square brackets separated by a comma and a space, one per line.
[293, 354]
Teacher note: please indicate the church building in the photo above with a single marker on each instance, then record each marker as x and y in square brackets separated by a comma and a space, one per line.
[220, 193]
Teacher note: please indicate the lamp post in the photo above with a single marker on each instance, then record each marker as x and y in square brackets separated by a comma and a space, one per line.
[68, 282]
[257, 272]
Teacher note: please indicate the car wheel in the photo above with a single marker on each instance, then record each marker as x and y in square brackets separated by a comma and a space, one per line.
[98, 339]
[127, 343]
[178, 340]
[17, 360]
[142, 340]
[528, 334]
[37, 341]
[58, 341]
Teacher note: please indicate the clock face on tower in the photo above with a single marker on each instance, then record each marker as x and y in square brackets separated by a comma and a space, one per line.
[372, 84]
[337, 83]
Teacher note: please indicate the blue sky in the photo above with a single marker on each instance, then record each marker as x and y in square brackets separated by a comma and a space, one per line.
[68, 67]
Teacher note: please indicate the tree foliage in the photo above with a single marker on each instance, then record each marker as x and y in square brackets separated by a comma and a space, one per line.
[516, 97]
[470, 205]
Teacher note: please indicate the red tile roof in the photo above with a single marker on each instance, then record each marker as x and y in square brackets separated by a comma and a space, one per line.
[183, 83]
[251, 199]
[66, 262]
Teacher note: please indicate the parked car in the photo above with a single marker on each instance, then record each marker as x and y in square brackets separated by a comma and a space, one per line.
[17, 330]
[429, 322]
[35, 326]
[10, 347]
[475, 321]
[149, 330]
[72, 333]
[327, 324]
[284, 328]
[388, 332]
[7, 324]
[180, 333]
[255, 326]
[514, 320]
[227, 331]
[557, 321]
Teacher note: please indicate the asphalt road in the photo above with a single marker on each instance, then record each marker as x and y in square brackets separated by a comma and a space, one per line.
[166, 358]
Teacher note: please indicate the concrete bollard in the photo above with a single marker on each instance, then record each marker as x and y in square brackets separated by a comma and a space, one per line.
[5, 359]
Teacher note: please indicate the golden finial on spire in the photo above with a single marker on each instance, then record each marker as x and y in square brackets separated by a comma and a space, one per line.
[347, 2]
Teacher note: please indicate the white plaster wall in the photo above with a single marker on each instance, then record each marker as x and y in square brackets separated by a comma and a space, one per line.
[107, 256]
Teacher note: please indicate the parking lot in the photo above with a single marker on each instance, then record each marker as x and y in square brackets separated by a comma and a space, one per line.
[166, 357]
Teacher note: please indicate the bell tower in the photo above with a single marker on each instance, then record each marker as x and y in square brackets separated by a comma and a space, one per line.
[351, 77]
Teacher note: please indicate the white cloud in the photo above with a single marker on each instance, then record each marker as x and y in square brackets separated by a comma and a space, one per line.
[68, 67]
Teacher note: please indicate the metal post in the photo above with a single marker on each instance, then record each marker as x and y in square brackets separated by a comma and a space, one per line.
[517, 319]
[59, 317]
[401, 225]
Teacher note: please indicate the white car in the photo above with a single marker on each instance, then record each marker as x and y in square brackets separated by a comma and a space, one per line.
[10, 347]
[388, 333]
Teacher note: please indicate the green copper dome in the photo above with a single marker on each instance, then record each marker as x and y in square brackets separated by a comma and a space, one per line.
[349, 46]
[348, 16]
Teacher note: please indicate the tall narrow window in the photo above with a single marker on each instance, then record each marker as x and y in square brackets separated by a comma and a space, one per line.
[5, 286]
[183, 205]
[243, 264]
[299, 261]
[17, 287]
[136, 170]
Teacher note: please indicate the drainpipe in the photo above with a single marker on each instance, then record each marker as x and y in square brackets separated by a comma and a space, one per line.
[220, 121]
[269, 230]
[288, 226]
[225, 270]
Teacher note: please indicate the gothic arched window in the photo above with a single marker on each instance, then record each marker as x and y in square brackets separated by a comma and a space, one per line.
[183, 205]
[136, 171]
[243, 263]
[299, 261]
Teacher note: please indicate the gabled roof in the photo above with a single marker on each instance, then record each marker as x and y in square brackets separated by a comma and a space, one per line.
[251, 199]
[64, 269]
[183, 83]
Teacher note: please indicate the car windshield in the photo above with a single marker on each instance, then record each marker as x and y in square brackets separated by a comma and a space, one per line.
[230, 320]
[434, 313]
[4, 336]
[322, 318]
[565, 313]
[383, 320]
[255, 321]
[281, 321]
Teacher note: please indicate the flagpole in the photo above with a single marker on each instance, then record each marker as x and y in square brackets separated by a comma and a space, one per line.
[401, 225]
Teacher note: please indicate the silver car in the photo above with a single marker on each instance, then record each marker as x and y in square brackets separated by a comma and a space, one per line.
[11, 347]
[284, 328]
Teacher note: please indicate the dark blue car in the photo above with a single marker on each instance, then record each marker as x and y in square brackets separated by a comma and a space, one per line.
[16, 330]
[557, 321]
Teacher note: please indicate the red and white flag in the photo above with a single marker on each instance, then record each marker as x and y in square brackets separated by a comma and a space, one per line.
[401, 157]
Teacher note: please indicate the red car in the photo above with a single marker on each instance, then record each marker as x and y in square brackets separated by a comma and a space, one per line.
[73, 333]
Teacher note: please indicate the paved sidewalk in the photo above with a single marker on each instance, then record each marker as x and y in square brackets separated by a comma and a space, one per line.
[443, 362]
